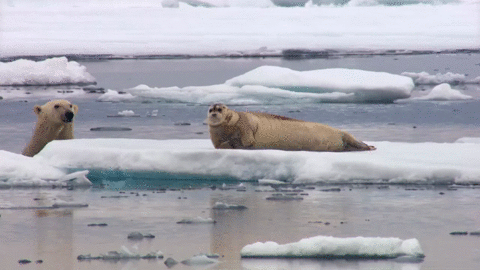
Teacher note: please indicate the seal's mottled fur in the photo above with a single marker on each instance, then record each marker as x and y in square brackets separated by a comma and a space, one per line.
[252, 130]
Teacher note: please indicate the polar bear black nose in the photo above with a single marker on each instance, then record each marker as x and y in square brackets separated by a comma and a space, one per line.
[69, 116]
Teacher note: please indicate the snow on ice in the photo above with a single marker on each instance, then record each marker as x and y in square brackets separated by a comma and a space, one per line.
[131, 28]
[449, 77]
[277, 85]
[392, 162]
[340, 248]
[443, 92]
[52, 71]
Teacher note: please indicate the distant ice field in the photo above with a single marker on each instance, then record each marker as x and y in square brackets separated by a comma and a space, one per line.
[146, 28]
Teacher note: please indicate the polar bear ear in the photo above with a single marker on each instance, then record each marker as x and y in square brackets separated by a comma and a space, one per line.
[75, 109]
[37, 109]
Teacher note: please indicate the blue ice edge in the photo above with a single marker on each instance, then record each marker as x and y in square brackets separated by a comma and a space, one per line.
[330, 248]
[127, 179]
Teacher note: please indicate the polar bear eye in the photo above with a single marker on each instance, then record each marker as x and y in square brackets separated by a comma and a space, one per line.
[56, 106]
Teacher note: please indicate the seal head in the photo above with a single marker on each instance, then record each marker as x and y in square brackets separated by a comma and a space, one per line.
[219, 114]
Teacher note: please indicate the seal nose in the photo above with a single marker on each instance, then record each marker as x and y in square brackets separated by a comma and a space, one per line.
[69, 116]
[214, 114]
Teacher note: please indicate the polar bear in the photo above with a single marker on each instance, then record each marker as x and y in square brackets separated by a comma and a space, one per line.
[55, 122]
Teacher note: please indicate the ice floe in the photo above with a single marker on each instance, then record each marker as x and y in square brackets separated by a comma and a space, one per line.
[443, 92]
[278, 85]
[226, 206]
[449, 77]
[201, 259]
[52, 71]
[244, 27]
[329, 247]
[391, 163]
[115, 96]
[196, 220]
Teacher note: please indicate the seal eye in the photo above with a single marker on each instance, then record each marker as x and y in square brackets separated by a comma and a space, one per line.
[219, 110]
[56, 106]
[210, 110]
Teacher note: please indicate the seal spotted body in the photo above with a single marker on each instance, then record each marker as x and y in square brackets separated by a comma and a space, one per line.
[230, 129]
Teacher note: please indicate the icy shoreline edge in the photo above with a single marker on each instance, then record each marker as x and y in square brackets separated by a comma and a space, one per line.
[286, 54]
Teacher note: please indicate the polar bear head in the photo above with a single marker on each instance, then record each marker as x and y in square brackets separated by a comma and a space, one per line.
[56, 112]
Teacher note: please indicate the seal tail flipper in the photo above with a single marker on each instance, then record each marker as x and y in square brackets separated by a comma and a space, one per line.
[352, 144]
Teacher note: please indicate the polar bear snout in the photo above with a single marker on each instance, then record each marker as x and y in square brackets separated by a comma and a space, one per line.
[68, 117]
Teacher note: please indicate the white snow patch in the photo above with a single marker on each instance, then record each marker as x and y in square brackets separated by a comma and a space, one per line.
[53, 71]
[332, 247]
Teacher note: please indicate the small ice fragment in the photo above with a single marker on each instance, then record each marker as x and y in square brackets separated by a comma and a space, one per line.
[197, 220]
[284, 197]
[270, 182]
[199, 260]
[76, 179]
[225, 206]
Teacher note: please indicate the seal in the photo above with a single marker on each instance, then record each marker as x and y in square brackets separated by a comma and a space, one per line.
[230, 129]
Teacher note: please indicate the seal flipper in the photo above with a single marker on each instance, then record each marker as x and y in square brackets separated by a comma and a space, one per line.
[351, 144]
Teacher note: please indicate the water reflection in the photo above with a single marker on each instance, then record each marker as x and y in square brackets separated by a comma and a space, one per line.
[54, 238]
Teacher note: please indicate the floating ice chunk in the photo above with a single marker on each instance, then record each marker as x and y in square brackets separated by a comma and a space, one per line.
[154, 113]
[52, 71]
[277, 85]
[468, 140]
[76, 179]
[115, 96]
[329, 247]
[284, 197]
[271, 182]
[19, 170]
[200, 260]
[449, 77]
[127, 113]
[226, 206]
[444, 92]
[196, 220]
[233, 95]
[367, 86]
